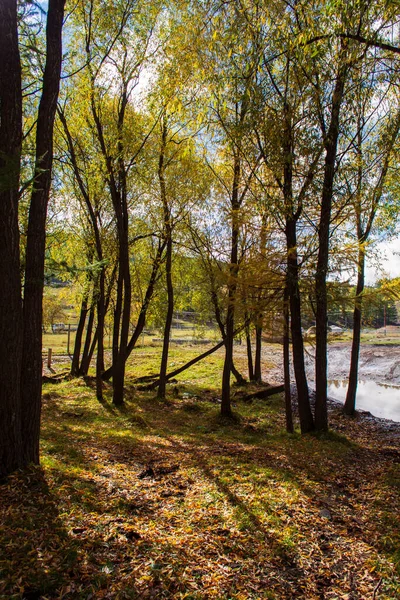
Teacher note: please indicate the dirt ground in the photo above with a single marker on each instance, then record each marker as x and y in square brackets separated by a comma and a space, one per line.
[377, 362]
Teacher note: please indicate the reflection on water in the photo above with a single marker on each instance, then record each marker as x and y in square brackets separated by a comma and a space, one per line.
[381, 400]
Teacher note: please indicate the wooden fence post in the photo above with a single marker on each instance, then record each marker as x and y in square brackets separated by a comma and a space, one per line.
[49, 353]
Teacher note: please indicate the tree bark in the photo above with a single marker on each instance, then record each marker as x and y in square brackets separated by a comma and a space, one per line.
[257, 358]
[286, 360]
[94, 220]
[321, 313]
[305, 414]
[124, 276]
[143, 310]
[292, 276]
[118, 190]
[76, 357]
[214, 297]
[249, 352]
[86, 354]
[168, 273]
[11, 456]
[100, 335]
[226, 410]
[31, 380]
[350, 403]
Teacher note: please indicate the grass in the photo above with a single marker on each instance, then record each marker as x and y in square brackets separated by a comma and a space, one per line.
[163, 499]
[59, 341]
[368, 336]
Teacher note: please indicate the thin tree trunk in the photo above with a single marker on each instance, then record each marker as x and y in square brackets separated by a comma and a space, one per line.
[305, 414]
[118, 190]
[86, 357]
[119, 364]
[292, 278]
[93, 344]
[214, 297]
[257, 361]
[31, 381]
[170, 289]
[321, 313]
[286, 361]
[249, 353]
[100, 336]
[168, 323]
[143, 310]
[10, 294]
[93, 216]
[350, 403]
[76, 357]
[226, 410]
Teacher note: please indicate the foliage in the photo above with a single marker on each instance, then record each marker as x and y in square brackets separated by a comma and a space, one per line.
[53, 308]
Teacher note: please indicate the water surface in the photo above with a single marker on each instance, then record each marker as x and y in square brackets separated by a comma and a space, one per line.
[381, 400]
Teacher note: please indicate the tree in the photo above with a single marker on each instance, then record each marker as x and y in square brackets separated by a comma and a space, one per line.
[116, 41]
[11, 455]
[23, 332]
[285, 134]
[371, 175]
[53, 309]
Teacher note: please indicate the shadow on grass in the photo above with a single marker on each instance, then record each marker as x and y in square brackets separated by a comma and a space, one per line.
[37, 556]
[186, 429]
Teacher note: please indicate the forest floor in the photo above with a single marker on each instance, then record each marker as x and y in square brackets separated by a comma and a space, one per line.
[163, 499]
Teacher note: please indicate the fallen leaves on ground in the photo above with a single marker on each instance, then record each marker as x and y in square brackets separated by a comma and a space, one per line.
[166, 501]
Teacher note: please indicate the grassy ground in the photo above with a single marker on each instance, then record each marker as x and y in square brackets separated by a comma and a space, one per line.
[165, 500]
[58, 342]
[384, 336]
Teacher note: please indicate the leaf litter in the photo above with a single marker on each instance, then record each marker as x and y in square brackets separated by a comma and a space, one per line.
[190, 507]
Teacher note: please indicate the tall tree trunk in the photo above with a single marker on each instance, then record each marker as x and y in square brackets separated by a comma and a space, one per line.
[257, 361]
[100, 335]
[143, 310]
[286, 361]
[168, 322]
[321, 313]
[249, 351]
[120, 362]
[10, 294]
[76, 357]
[94, 220]
[292, 278]
[305, 414]
[31, 380]
[214, 297]
[350, 403]
[226, 410]
[86, 357]
[168, 266]
[117, 184]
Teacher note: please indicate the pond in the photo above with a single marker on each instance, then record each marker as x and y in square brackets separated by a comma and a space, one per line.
[379, 399]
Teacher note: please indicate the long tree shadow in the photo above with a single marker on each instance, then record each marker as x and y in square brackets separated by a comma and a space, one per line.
[37, 555]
